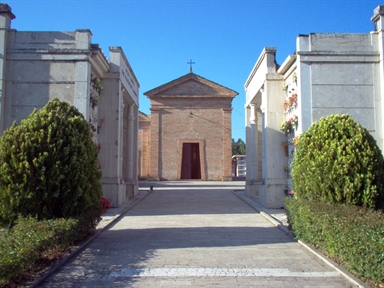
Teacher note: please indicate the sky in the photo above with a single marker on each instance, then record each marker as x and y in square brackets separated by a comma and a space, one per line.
[223, 37]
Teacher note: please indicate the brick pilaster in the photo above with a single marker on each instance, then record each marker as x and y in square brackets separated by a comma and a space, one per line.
[227, 144]
[154, 146]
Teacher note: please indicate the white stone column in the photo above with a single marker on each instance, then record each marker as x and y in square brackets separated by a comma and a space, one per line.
[378, 19]
[131, 142]
[253, 144]
[380, 96]
[252, 185]
[264, 167]
[264, 144]
[120, 141]
[248, 141]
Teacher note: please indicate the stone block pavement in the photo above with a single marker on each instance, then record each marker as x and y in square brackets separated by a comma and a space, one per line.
[195, 234]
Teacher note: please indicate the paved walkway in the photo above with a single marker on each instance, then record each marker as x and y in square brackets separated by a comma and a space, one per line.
[195, 234]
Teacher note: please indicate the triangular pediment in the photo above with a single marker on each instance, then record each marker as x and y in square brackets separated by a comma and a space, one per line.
[191, 85]
[190, 88]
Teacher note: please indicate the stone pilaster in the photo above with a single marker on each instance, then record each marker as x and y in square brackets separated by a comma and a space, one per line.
[131, 118]
[83, 74]
[6, 17]
[130, 147]
[378, 18]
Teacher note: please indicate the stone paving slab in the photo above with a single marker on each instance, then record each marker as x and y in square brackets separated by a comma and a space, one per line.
[205, 237]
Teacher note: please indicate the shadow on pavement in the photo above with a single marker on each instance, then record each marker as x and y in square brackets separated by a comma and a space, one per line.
[239, 185]
[136, 248]
[190, 202]
[190, 237]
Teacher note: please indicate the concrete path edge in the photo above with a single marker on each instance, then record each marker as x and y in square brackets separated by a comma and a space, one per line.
[252, 203]
[108, 219]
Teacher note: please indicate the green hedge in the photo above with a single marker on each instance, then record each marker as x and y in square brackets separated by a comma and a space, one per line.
[351, 235]
[23, 245]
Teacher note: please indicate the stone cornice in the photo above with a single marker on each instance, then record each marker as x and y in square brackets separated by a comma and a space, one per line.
[99, 61]
[265, 51]
[331, 56]
[287, 64]
[51, 55]
[223, 91]
[191, 96]
[379, 11]
[7, 10]
[118, 49]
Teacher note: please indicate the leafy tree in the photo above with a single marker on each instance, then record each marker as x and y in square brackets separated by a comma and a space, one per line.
[238, 148]
[338, 161]
[48, 165]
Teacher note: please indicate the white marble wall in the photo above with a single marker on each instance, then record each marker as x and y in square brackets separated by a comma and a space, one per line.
[340, 80]
[33, 78]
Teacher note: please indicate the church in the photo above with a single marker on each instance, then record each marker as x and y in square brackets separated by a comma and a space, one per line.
[188, 134]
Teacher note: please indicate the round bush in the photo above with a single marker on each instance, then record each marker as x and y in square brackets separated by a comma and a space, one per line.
[338, 161]
[48, 166]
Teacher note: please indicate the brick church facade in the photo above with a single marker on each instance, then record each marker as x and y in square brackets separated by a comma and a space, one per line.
[188, 134]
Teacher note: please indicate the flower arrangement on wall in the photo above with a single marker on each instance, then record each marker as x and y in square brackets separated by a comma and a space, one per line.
[294, 77]
[290, 103]
[95, 91]
[289, 88]
[92, 125]
[290, 125]
[94, 101]
[96, 84]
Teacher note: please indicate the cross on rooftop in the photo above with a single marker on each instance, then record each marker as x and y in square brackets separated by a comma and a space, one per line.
[190, 63]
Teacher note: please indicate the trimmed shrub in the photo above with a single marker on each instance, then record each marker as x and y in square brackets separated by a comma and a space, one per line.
[351, 235]
[48, 166]
[338, 161]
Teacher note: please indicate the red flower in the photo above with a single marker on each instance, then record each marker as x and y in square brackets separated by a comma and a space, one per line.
[105, 204]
